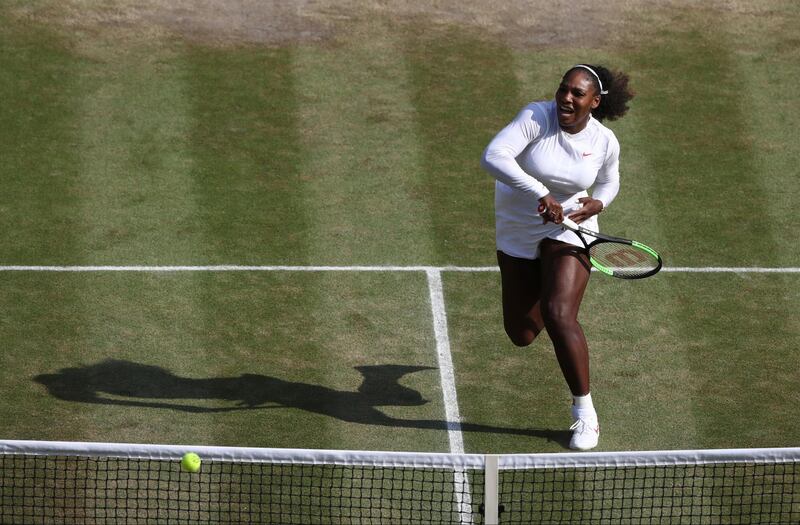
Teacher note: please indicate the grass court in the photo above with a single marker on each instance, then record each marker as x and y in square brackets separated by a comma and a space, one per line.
[348, 136]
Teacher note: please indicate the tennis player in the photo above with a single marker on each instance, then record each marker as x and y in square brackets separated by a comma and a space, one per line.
[545, 161]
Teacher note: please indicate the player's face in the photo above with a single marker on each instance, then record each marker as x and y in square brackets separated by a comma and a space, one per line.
[576, 97]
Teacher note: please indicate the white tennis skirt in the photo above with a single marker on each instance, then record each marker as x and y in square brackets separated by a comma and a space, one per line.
[519, 229]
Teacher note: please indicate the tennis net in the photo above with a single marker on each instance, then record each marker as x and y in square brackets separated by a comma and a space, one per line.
[69, 482]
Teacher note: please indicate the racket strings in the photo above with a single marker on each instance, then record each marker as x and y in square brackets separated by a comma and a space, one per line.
[624, 260]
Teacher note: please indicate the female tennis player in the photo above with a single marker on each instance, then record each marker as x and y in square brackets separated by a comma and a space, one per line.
[544, 161]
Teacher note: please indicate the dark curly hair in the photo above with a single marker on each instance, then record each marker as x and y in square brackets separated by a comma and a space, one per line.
[613, 104]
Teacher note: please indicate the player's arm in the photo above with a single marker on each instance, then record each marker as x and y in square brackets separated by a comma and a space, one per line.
[500, 156]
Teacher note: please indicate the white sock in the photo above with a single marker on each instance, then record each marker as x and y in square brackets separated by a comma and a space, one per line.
[582, 406]
[582, 402]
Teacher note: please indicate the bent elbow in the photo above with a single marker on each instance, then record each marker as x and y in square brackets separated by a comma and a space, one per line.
[484, 160]
[488, 160]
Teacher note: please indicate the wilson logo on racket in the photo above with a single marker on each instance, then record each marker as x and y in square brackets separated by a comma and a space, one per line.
[616, 256]
[625, 257]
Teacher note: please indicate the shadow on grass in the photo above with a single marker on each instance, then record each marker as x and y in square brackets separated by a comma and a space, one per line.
[124, 383]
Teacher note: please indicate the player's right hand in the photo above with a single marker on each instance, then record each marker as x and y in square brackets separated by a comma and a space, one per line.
[551, 210]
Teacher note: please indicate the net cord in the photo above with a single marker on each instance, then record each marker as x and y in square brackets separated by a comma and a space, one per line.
[403, 459]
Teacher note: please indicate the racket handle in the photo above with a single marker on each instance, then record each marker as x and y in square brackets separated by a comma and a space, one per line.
[570, 224]
[566, 222]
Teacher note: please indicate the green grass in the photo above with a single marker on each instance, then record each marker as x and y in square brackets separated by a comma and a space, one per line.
[713, 377]
[364, 149]
[225, 359]
[247, 177]
[40, 162]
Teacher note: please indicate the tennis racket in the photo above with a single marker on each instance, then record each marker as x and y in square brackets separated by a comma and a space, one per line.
[615, 256]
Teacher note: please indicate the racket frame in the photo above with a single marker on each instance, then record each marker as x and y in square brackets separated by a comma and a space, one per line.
[601, 238]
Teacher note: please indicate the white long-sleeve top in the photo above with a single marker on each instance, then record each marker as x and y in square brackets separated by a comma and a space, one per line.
[533, 157]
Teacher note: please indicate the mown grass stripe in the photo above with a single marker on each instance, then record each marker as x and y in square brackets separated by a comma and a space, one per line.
[464, 90]
[247, 155]
[703, 180]
[40, 164]
[137, 200]
[361, 160]
[764, 45]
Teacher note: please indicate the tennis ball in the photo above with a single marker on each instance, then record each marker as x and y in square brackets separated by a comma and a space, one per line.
[190, 462]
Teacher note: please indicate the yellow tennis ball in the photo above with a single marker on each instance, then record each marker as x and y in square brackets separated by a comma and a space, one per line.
[190, 462]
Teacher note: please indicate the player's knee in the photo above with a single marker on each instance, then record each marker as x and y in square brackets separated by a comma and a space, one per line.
[520, 336]
[559, 315]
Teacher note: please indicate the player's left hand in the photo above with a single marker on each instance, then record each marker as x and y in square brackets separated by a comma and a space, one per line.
[589, 208]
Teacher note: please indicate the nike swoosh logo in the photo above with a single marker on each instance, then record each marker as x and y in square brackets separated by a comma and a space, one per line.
[587, 154]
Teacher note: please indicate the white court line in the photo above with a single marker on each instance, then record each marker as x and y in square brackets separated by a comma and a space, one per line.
[215, 268]
[262, 268]
[666, 269]
[718, 269]
[463, 492]
[445, 361]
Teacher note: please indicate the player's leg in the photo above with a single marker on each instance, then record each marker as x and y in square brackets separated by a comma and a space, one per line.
[565, 275]
[521, 289]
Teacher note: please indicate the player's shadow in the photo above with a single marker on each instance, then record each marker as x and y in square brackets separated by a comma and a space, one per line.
[124, 383]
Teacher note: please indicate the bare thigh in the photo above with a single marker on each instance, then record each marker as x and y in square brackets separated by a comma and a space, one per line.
[565, 274]
[521, 289]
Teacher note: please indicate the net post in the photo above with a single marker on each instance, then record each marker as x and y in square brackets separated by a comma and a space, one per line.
[490, 490]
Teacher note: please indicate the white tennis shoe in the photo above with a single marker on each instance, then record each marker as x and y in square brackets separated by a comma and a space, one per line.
[585, 432]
